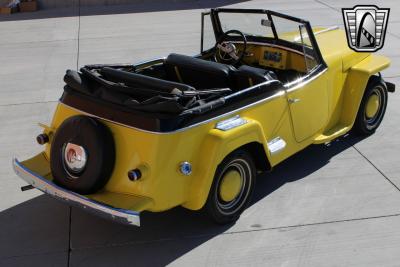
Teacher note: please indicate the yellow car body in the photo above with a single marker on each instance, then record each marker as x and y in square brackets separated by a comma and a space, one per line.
[315, 111]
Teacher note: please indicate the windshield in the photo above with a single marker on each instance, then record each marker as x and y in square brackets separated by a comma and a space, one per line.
[247, 23]
[258, 25]
[270, 24]
[289, 30]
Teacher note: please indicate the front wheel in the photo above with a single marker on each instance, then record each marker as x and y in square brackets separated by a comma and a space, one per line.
[232, 187]
[372, 108]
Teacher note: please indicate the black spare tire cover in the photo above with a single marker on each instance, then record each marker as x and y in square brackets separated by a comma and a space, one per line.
[82, 155]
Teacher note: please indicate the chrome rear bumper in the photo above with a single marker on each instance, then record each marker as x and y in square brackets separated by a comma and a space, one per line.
[74, 199]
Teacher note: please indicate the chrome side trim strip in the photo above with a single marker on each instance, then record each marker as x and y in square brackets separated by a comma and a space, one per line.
[318, 32]
[288, 87]
[48, 187]
[327, 30]
[248, 89]
[293, 86]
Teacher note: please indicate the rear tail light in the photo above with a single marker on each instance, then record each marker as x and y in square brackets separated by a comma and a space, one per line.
[42, 139]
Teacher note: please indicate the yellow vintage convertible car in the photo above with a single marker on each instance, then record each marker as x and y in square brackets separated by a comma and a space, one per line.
[195, 131]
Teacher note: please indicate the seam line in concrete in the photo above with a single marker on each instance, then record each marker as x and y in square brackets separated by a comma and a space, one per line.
[37, 42]
[376, 168]
[394, 35]
[79, 34]
[29, 103]
[70, 208]
[231, 233]
[318, 223]
[327, 5]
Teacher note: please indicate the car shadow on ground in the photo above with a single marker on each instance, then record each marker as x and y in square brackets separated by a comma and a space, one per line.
[75, 9]
[302, 164]
[162, 238]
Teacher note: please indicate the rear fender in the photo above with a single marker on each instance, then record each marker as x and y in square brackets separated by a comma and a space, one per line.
[356, 81]
[215, 147]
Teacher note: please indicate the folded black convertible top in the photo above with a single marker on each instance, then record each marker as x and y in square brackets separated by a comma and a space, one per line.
[141, 99]
[134, 91]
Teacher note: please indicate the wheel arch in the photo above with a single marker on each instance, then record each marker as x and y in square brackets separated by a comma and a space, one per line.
[356, 81]
[217, 146]
[257, 152]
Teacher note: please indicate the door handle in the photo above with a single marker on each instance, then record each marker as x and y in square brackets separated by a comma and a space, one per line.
[293, 100]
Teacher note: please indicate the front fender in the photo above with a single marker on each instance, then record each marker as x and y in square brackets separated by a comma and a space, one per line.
[356, 81]
[215, 147]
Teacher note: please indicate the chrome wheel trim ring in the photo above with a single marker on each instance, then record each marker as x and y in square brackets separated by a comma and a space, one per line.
[231, 207]
[74, 159]
[371, 123]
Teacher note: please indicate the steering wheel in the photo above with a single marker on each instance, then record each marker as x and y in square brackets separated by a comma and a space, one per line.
[226, 52]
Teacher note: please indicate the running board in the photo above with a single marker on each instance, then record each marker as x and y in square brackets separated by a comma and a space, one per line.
[331, 134]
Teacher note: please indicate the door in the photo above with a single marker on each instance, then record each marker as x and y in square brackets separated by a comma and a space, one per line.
[309, 107]
[308, 99]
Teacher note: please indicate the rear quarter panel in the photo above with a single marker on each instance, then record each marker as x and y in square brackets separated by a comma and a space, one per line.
[158, 155]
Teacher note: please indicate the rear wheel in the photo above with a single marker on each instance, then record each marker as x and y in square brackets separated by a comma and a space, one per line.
[232, 187]
[372, 108]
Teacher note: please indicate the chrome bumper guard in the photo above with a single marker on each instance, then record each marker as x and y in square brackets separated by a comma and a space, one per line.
[74, 199]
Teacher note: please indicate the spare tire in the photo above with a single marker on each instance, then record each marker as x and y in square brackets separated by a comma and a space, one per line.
[82, 155]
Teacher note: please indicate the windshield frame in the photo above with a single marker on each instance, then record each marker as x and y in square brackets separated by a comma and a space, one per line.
[214, 15]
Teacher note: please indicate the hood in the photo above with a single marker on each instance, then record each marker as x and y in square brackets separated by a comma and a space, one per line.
[333, 46]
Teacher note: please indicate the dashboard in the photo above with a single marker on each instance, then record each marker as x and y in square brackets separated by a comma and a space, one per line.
[274, 57]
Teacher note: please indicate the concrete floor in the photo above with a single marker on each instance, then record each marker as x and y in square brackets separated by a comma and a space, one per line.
[336, 205]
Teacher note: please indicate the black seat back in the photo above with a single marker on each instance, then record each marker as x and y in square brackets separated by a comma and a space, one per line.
[247, 76]
[199, 73]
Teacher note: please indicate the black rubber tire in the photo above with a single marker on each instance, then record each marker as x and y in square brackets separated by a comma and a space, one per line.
[98, 142]
[362, 125]
[213, 205]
